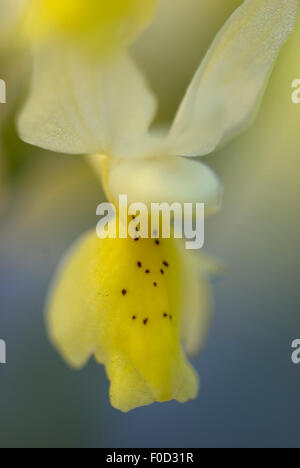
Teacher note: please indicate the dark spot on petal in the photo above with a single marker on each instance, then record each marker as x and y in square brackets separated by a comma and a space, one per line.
[145, 321]
[136, 239]
[124, 292]
[155, 284]
[162, 271]
[139, 264]
[165, 315]
[171, 317]
[166, 264]
[157, 242]
[134, 317]
[147, 272]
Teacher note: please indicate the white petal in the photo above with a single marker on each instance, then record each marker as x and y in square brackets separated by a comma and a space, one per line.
[227, 89]
[83, 104]
[159, 180]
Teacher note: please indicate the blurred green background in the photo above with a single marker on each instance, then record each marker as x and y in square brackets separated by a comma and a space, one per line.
[250, 388]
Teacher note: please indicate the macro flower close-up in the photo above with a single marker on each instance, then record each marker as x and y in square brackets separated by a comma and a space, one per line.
[148, 102]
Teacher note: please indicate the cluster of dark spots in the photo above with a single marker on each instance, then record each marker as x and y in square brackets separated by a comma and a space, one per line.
[165, 315]
[124, 292]
[145, 321]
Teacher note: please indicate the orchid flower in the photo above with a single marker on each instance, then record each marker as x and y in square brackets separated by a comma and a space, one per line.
[139, 307]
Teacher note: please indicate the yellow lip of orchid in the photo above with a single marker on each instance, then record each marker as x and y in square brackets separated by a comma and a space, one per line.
[109, 24]
[110, 298]
[121, 301]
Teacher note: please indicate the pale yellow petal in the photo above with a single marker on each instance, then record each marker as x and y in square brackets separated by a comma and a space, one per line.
[81, 104]
[197, 299]
[160, 180]
[225, 94]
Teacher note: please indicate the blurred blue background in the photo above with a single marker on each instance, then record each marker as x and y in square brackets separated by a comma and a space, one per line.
[250, 395]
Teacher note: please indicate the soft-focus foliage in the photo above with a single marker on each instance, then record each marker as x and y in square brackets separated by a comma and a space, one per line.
[108, 24]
